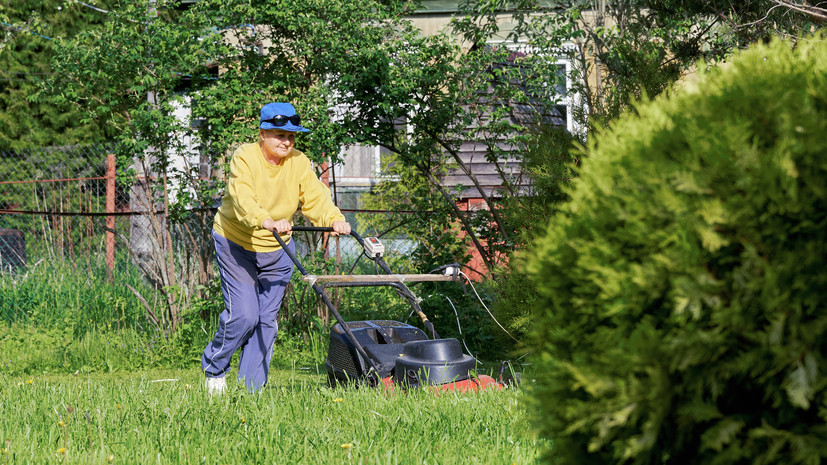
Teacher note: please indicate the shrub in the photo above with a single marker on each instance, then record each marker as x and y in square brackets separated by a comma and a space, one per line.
[684, 284]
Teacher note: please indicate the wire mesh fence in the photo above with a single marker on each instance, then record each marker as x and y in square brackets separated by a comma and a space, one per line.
[66, 203]
[52, 203]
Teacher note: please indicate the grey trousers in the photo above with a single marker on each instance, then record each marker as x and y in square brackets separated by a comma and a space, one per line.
[253, 287]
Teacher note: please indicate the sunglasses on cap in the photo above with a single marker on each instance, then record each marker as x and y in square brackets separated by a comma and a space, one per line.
[281, 120]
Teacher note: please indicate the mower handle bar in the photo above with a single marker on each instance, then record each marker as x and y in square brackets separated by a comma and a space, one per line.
[404, 291]
[313, 228]
[401, 288]
[373, 373]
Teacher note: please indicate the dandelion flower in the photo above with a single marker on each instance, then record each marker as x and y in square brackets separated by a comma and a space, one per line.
[20, 383]
[60, 423]
[347, 445]
[62, 450]
[29, 381]
[338, 399]
[243, 420]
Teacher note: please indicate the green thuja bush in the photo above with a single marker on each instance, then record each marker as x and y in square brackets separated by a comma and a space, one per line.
[684, 285]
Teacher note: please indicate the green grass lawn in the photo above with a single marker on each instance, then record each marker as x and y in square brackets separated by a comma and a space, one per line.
[166, 417]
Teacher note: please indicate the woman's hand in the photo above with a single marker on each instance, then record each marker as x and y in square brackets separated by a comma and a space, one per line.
[280, 226]
[340, 228]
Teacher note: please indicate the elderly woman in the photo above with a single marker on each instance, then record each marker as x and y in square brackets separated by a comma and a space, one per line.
[268, 180]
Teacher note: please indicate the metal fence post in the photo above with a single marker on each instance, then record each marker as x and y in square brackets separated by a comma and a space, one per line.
[110, 219]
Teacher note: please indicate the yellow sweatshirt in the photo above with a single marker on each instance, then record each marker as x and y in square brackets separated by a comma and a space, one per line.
[258, 190]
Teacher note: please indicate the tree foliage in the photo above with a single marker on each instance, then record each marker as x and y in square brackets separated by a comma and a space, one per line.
[418, 213]
[25, 60]
[550, 162]
[449, 97]
[682, 286]
[623, 50]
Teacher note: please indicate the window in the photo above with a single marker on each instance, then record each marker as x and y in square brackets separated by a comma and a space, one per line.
[560, 100]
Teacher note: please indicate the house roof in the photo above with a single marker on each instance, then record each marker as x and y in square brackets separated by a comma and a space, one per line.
[452, 6]
[439, 6]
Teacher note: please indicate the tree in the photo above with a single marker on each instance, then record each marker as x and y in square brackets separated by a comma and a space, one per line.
[448, 97]
[418, 212]
[816, 12]
[25, 60]
[495, 94]
[148, 73]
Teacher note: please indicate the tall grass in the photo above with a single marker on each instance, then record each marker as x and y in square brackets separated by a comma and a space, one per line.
[166, 417]
[59, 294]
[58, 317]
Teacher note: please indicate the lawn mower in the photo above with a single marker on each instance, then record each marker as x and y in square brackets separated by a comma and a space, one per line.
[390, 354]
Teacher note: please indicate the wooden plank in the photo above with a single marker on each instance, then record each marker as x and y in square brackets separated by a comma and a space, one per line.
[376, 278]
[462, 179]
[487, 168]
[479, 157]
[470, 192]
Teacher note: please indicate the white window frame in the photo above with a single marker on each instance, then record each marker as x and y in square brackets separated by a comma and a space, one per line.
[571, 99]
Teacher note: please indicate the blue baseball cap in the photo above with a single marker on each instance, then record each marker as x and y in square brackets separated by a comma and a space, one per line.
[281, 115]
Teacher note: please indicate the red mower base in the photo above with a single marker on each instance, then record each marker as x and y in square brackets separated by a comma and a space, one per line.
[473, 384]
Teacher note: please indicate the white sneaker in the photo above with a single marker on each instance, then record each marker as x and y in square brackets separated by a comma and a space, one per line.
[216, 386]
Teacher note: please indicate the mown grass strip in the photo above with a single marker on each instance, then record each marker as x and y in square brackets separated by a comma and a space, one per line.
[128, 418]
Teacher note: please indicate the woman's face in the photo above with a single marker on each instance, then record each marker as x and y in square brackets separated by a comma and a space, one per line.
[277, 143]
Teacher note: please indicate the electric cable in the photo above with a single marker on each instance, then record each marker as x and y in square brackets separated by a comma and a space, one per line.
[462, 338]
[12, 26]
[486, 307]
[93, 7]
